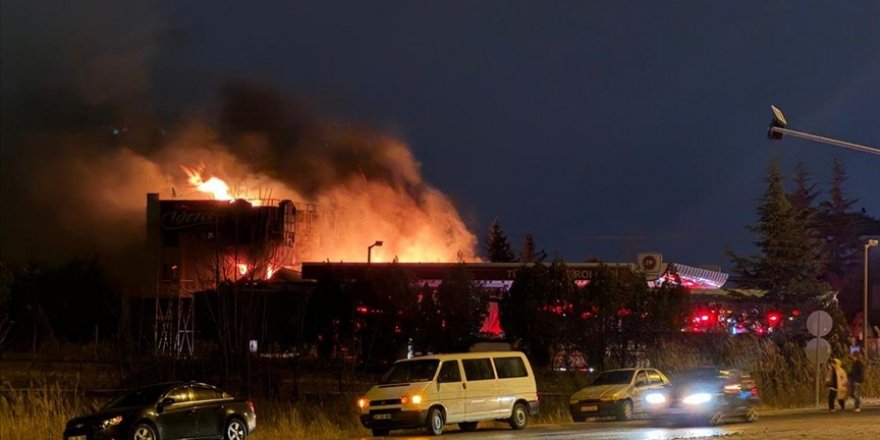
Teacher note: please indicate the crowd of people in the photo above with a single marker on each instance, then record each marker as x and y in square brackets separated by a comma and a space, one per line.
[842, 384]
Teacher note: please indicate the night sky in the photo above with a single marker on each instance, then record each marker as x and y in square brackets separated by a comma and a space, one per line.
[603, 128]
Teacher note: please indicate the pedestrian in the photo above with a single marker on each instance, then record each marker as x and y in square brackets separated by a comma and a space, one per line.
[835, 379]
[856, 379]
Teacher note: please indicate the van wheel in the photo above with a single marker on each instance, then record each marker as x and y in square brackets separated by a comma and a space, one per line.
[467, 426]
[519, 418]
[435, 421]
[380, 432]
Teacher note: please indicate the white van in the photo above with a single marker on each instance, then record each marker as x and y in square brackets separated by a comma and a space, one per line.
[463, 388]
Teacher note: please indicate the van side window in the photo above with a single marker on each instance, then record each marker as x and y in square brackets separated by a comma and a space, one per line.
[478, 369]
[510, 367]
[449, 372]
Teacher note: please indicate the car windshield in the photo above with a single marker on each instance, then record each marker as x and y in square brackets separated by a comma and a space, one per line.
[140, 397]
[614, 378]
[410, 371]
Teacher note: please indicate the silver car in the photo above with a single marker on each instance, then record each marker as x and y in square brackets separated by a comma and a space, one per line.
[617, 393]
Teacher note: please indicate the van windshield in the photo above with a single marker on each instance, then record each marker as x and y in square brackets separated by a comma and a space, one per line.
[410, 371]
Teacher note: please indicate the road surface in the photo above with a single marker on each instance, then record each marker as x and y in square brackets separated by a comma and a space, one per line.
[804, 424]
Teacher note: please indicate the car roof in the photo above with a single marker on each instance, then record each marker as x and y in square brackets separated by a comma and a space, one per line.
[174, 384]
[467, 355]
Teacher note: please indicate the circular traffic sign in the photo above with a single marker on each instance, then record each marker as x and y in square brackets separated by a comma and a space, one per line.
[818, 350]
[819, 323]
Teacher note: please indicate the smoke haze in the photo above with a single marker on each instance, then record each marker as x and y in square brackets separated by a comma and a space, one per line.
[82, 144]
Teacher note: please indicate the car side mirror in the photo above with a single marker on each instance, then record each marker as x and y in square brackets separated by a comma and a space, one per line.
[165, 402]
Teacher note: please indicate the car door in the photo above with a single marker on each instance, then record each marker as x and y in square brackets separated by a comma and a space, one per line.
[177, 419]
[209, 410]
[641, 387]
[481, 401]
[451, 392]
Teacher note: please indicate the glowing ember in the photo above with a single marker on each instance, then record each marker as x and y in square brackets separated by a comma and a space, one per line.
[242, 268]
[269, 272]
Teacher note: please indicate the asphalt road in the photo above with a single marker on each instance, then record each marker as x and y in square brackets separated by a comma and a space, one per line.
[810, 424]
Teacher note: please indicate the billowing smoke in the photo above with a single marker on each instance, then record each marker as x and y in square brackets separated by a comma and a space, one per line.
[82, 145]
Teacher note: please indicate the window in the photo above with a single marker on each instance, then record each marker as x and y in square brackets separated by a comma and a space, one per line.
[654, 376]
[205, 393]
[478, 369]
[410, 371]
[510, 367]
[642, 379]
[449, 372]
[180, 395]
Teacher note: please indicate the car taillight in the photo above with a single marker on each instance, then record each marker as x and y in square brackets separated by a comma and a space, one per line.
[250, 406]
[754, 391]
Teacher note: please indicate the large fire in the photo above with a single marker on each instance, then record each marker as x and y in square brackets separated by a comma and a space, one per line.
[357, 214]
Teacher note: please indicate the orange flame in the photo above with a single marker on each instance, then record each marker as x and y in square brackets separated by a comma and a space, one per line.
[269, 272]
[242, 268]
[214, 186]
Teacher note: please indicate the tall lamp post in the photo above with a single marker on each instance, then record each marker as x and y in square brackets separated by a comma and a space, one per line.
[778, 128]
[869, 244]
[370, 249]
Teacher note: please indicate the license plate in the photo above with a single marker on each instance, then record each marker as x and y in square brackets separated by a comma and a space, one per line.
[586, 408]
[381, 416]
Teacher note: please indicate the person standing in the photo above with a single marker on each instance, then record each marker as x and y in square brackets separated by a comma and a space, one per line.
[836, 382]
[856, 378]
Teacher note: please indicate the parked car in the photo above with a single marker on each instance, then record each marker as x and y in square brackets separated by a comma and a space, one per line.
[616, 393]
[463, 388]
[706, 395]
[168, 411]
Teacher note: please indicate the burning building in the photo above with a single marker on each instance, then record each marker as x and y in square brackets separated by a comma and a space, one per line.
[197, 245]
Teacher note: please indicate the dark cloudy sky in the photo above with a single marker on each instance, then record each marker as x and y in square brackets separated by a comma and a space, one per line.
[602, 127]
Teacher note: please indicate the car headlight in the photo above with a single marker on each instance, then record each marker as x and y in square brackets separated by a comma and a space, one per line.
[697, 398]
[655, 398]
[363, 403]
[415, 399]
[110, 422]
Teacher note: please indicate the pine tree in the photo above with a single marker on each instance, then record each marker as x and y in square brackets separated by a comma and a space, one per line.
[840, 228]
[804, 195]
[791, 259]
[497, 246]
[528, 254]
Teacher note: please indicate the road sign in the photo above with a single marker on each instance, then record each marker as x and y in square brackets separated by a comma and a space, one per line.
[818, 350]
[819, 323]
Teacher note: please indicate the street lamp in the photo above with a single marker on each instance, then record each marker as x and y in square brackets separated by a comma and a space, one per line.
[869, 244]
[370, 249]
[777, 129]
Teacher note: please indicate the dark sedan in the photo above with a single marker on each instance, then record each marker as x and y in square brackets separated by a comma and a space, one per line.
[168, 411]
[706, 395]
